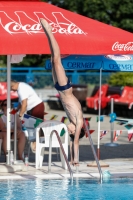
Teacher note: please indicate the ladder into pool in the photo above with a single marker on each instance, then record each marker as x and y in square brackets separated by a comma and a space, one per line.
[93, 150]
[64, 154]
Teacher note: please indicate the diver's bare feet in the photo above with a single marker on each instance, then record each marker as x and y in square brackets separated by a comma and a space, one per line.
[45, 25]
[76, 164]
[71, 162]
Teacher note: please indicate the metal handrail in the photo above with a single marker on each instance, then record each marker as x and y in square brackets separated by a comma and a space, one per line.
[15, 136]
[93, 150]
[63, 152]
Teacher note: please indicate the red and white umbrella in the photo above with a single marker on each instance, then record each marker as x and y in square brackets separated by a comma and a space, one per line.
[21, 32]
[3, 92]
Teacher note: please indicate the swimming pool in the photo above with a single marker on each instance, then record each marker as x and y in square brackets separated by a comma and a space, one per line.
[79, 189]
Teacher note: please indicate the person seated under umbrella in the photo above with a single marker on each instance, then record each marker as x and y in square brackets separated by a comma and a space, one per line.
[3, 131]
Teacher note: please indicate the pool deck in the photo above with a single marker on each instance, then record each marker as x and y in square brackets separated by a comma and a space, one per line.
[117, 169]
[119, 158]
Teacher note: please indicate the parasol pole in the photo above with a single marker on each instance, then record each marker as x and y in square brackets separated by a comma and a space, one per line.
[99, 113]
[102, 164]
[8, 109]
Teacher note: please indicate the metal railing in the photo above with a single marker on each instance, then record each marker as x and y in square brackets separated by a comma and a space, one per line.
[63, 152]
[93, 150]
[33, 74]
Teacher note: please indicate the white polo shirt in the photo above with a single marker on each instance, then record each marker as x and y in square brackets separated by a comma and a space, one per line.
[25, 91]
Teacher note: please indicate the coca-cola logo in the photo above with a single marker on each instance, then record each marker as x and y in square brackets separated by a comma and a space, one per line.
[122, 47]
[118, 57]
[26, 24]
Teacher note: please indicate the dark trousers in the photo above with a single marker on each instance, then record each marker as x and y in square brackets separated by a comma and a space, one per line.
[37, 111]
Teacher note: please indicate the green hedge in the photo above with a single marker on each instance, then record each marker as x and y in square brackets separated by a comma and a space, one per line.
[121, 79]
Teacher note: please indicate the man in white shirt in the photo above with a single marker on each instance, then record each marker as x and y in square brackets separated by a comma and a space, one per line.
[28, 99]
[29, 102]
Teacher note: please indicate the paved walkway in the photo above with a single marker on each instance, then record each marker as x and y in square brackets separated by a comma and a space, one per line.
[119, 158]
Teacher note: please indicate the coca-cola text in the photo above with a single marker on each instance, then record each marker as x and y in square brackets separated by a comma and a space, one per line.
[122, 47]
[32, 26]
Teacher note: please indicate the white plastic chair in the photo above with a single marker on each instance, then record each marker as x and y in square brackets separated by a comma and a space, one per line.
[48, 127]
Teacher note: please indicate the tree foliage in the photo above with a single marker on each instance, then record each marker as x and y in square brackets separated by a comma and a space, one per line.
[117, 13]
[33, 61]
[121, 79]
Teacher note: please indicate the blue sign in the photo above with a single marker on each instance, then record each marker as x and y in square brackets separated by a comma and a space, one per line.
[118, 63]
[79, 62]
[107, 62]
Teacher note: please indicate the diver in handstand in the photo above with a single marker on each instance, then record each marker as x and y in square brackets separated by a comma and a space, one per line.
[70, 103]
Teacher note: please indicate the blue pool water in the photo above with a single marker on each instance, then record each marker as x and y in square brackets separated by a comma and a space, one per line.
[80, 189]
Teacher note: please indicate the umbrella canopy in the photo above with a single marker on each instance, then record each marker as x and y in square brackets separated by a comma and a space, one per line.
[85, 62]
[3, 92]
[21, 32]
